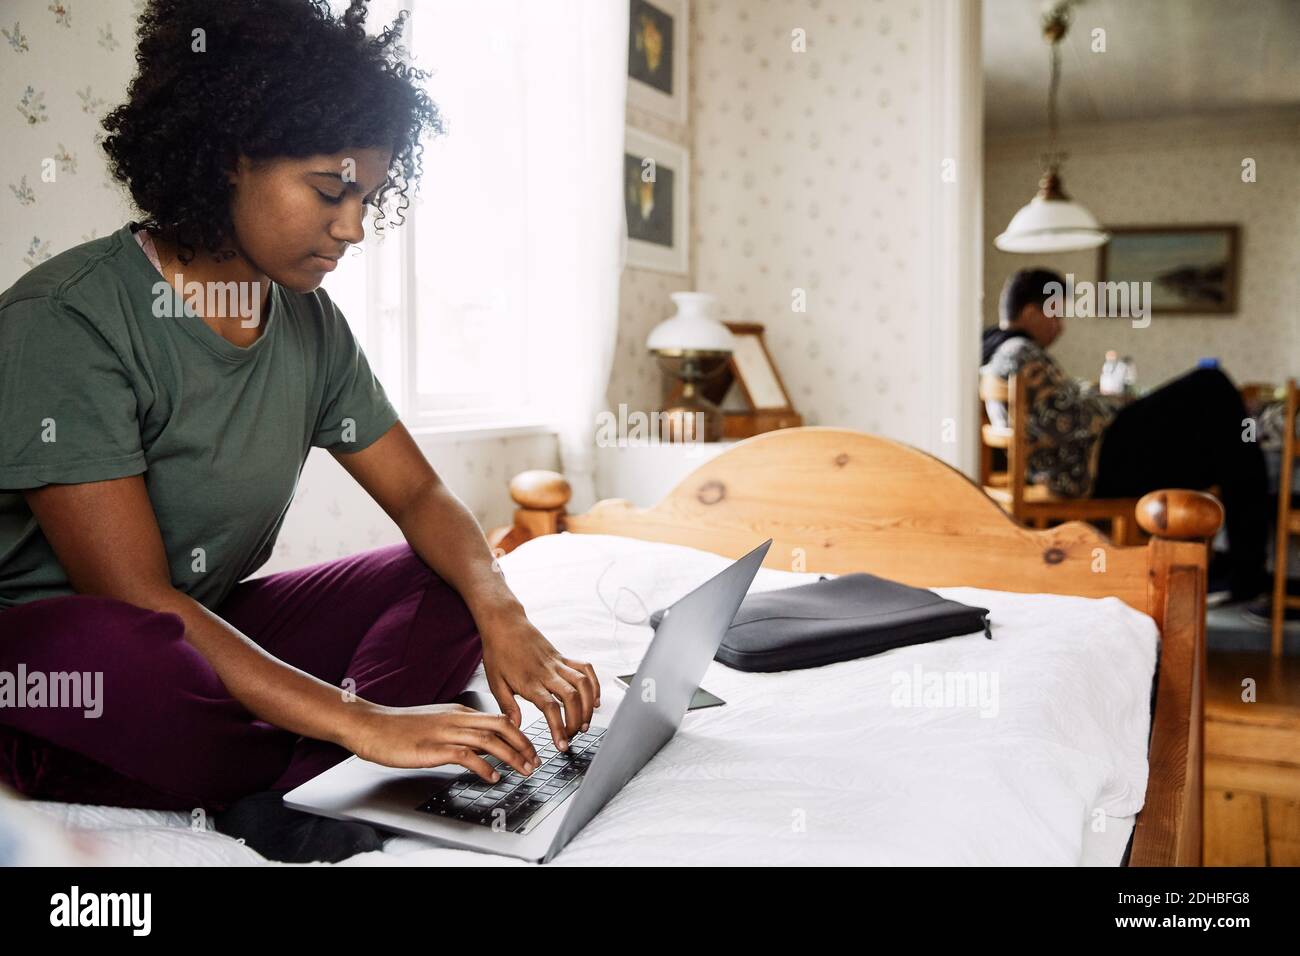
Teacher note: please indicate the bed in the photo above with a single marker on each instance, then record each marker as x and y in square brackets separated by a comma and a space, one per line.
[1088, 752]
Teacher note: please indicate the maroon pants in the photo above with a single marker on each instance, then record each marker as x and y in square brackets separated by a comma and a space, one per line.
[169, 735]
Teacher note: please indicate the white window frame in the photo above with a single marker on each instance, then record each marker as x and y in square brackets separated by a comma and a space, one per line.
[391, 323]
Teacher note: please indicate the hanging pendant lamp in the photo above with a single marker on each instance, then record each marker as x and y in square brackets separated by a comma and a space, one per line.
[1052, 221]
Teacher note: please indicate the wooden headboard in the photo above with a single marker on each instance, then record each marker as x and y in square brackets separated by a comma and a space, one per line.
[835, 500]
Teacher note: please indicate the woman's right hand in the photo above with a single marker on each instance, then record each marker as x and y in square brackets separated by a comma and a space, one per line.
[434, 734]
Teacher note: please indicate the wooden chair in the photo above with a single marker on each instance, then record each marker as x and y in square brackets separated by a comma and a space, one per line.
[1029, 503]
[1288, 518]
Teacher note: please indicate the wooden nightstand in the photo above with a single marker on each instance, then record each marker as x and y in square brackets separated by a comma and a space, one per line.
[745, 424]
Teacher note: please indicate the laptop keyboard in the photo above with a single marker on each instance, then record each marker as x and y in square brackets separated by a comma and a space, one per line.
[518, 803]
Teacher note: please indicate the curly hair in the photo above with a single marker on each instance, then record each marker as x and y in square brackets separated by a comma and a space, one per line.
[271, 78]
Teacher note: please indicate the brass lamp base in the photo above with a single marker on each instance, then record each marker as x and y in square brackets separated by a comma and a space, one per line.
[691, 417]
[691, 420]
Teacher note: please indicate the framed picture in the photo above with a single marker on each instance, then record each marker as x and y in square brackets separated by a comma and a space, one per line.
[755, 372]
[1193, 270]
[656, 198]
[657, 38]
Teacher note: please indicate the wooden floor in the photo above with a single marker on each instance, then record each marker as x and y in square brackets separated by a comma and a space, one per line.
[1252, 761]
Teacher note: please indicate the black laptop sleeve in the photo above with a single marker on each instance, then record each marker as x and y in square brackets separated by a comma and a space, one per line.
[838, 619]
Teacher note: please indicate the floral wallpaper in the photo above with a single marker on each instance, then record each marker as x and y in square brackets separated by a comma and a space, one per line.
[1179, 171]
[64, 66]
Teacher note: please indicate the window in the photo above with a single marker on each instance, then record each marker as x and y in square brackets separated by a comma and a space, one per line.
[440, 303]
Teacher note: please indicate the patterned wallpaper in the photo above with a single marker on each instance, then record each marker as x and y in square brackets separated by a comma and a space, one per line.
[808, 175]
[1183, 171]
[64, 66]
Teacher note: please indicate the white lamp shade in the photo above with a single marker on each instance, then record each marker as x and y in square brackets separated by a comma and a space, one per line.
[692, 329]
[1052, 225]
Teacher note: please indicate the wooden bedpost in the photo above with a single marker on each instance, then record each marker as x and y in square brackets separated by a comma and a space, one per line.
[541, 497]
[1181, 525]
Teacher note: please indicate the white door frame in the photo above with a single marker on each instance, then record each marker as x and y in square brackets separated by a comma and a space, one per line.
[955, 150]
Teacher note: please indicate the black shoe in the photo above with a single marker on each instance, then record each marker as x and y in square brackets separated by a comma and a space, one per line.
[291, 836]
[1227, 584]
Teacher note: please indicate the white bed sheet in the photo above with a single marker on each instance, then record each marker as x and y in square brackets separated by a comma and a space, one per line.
[818, 766]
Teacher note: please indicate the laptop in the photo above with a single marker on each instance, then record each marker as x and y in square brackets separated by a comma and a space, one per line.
[534, 817]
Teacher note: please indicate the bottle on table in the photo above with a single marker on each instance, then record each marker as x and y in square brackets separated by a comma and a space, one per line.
[1110, 382]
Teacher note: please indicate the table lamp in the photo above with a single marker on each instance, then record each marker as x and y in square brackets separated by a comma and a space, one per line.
[691, 346]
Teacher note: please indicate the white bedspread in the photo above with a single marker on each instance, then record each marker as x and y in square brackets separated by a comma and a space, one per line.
[822, 766]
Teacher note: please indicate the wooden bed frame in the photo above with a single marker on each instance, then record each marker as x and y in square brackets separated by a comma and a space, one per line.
[835, 500]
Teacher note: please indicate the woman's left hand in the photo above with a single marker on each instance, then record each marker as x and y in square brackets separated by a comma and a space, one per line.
[519, 660]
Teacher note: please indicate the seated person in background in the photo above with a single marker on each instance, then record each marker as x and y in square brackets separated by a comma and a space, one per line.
[1188, 433]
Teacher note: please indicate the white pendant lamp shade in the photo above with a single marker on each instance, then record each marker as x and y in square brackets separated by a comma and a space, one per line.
[1051, 222]
[1051, 225]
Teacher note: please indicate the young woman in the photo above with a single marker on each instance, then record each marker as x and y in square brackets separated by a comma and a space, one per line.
[151, 440]
[1188, 433]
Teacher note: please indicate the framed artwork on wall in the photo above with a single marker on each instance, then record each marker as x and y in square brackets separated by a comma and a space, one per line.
[1193, 270]
[656, 202]
[657, 41]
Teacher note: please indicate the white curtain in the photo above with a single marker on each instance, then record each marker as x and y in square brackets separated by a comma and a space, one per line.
[576, 91]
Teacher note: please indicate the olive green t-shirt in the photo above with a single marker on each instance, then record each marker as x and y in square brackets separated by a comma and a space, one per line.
[106, 371]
